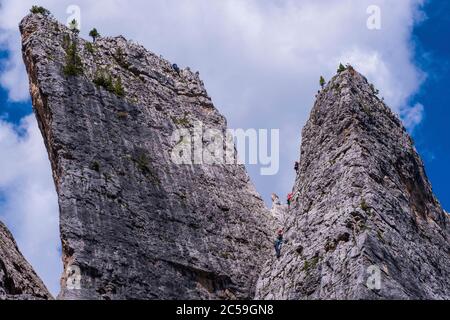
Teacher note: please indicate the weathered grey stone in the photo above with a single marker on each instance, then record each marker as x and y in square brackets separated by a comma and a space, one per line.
[135, 224]
[363, 199]
[278, 211]
[138, 226]
[18, 281]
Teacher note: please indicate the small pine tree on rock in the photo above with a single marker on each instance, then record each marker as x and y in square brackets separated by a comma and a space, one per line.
[73, 25]
[94, 34]
[118, 88]
[341, 68]
[74, 66]
[40, 10]
[322, 81]
[103, 79]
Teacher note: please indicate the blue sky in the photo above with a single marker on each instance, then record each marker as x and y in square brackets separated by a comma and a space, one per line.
[9, 110]
[432, 136]
[260, 62]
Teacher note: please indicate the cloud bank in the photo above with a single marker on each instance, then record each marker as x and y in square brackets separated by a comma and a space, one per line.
[260, 60]
[29, 207]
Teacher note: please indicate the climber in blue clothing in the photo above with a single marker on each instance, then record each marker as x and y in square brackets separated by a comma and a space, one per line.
[176, 68]
[279, 243]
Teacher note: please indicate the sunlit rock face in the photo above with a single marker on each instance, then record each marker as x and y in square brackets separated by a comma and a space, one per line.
[364, 223]
[135, 224]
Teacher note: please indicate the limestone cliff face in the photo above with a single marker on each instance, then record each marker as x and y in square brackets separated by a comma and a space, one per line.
[278, 211]
[18, 281]
[135, 225]
[363, 207]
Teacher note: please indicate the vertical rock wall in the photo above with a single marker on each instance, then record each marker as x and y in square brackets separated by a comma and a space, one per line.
[135, 225]
[364, 207]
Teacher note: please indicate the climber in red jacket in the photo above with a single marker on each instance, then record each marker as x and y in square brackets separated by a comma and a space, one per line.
[289, 199]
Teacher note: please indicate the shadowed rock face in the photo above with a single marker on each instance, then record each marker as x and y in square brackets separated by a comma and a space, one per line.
[135, 225]
[364, 204]
[18, 281]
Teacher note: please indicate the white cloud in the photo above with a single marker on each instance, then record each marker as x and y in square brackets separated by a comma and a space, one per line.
[412, 116]
[29, 207]
[13, 76]
[243, 46]
[260, 60]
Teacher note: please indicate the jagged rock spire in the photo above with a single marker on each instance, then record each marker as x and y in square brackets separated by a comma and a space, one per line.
[366, 223]
[134, 224]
